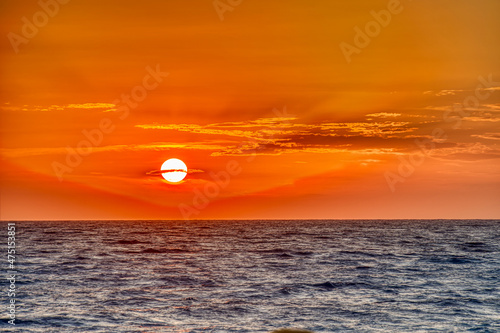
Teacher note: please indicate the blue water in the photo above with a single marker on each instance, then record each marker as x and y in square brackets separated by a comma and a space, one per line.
[256, 276]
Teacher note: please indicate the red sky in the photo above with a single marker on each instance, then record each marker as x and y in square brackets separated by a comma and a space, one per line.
[299, 114]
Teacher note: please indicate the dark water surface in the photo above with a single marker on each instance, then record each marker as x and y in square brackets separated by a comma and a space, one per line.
[256, 276]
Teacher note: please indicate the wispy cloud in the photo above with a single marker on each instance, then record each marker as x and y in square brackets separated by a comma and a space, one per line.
[109, 106]
[467, 152]
[263, 130]
[156, 146]
[492, 107]
[367, 129]
[383, 115]
[487, 136]
[482, 119]
[259, 129]
[199, 129]
[275, 136]
[286, 135]
[452, 92]
[159, 172]
[104, 107]
[442, 92]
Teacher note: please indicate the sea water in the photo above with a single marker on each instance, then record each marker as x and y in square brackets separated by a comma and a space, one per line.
[255, 276]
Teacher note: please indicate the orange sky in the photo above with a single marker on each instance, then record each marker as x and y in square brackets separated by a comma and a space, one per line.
[267, 97]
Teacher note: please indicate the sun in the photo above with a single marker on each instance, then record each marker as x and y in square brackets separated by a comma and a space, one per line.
[173, 170]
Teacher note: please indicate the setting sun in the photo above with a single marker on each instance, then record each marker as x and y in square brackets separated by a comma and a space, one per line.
[173, 170]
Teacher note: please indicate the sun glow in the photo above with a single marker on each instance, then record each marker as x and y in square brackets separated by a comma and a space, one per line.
[173, 170]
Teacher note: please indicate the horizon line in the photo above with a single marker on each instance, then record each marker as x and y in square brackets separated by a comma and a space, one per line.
[284, 219]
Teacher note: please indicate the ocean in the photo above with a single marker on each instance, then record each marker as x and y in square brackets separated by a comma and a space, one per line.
[254, 276]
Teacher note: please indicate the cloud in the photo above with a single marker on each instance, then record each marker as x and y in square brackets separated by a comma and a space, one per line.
[467, 151]
[104, 107]
[487, 136]
[266, 129]
[492, 88]
[108, 106]
[492, 107]
[383, 115]
[369, 129]
[482, 119]
[452, 92]
[159, 172]
[155, 146]
[285, 135]
[259, 129]
[278, 135]
[199, 129]
[446, 92]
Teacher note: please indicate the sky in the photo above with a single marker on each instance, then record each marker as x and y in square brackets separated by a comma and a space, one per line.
[280, 109]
